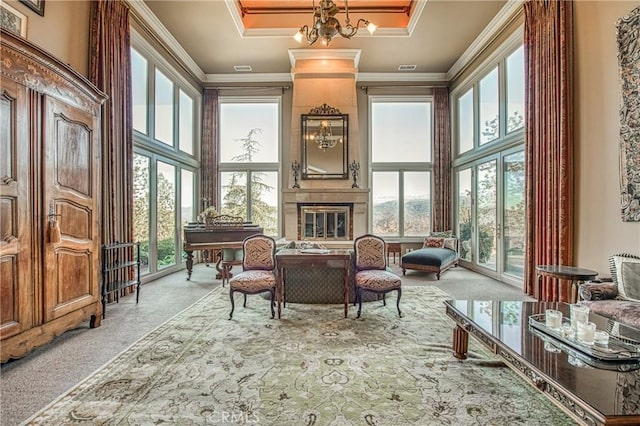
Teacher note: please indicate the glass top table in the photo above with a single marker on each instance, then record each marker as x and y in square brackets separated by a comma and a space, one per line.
[591, 395]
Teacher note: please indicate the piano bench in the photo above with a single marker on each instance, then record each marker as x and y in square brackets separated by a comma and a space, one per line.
[230, 258]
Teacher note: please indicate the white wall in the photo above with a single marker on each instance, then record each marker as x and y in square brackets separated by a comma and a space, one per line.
[63, 31]
[600, 231]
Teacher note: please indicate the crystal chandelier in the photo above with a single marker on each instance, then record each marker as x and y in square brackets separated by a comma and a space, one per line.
[323, 137]
[326, 26]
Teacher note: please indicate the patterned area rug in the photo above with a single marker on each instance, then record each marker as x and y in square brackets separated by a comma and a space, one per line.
[313, 367]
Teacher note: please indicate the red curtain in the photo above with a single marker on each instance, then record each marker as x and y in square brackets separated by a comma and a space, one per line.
[110, 71]
[441, 160]
[209, 154]
[548, 145]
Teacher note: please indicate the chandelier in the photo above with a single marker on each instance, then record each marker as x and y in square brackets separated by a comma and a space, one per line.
[326, 26]
[323, 137]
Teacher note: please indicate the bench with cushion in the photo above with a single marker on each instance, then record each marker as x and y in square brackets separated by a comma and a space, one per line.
[439, 253]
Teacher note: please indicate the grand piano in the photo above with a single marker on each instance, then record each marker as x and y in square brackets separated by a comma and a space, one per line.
[213, 236]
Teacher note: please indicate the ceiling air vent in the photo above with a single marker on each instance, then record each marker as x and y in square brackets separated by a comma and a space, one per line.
[407, 68]
[242, 68]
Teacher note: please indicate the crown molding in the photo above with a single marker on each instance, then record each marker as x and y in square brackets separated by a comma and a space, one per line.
[400, 77]
[415, 16]
[236, 16]
[248, 78]
[508, 11]
[172, 45]
[332, 54]
[361, 77]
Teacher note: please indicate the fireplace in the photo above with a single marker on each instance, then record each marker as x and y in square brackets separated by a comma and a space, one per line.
[325, 222]
[331, 205]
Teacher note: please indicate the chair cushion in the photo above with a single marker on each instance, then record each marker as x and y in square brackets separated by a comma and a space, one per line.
[259, 253]
[451, 244]
[252, 281]
[598, 291]
[377, 280]
[433, 242]
[625, 271]
[430, 256]
[369, 253]
[623, 311]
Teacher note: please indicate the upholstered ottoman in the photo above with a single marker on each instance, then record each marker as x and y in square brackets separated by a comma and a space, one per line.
[429, 259]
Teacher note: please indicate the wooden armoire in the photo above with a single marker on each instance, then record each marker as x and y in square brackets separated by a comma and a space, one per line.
[49, 198]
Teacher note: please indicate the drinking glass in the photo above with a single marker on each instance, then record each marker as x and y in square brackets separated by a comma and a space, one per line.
[579, 314]
[586, 332]
[553, 319]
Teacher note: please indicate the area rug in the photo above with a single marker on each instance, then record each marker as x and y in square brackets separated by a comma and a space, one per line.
[312, 367]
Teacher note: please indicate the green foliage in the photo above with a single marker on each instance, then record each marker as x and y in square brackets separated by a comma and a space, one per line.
[486, 241]
[166, 252]
[235, 201]
[165, 213]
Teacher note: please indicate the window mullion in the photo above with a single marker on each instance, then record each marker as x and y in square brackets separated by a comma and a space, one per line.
[401, 202]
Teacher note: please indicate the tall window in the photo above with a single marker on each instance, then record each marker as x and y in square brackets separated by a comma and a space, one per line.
[249, 160]
[489, 164]
[401, 141]
[165, 170]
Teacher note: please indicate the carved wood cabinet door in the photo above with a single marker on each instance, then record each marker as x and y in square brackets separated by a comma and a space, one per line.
[70, 176]
[50, 171]
[16, 278]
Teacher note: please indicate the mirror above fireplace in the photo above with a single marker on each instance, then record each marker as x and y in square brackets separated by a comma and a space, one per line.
[324, 141]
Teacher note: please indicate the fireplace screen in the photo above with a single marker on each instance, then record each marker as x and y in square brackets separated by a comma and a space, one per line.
[324, 223]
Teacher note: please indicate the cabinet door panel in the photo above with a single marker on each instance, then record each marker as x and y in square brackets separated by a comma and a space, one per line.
[69, 190]
[16, 267]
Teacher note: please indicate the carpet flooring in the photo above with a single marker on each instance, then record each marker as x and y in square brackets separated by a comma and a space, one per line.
[313, 367]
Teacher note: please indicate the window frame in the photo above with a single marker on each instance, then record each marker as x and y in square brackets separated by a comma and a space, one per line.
[507, 143]
[250, 168]
[146, 145]
[400, 167]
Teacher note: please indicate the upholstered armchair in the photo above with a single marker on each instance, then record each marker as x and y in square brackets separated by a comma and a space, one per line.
[371, 274]
[258, 266]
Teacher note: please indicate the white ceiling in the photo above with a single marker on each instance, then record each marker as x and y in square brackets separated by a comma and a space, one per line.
[211, 39]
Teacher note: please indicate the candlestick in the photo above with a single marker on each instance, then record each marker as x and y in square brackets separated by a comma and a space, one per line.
[355, 169]
[295, 166]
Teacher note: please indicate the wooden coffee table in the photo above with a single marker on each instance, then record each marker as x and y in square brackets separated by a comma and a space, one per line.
[592, 396]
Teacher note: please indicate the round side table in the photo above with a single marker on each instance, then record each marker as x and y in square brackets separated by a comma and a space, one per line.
[562, 272]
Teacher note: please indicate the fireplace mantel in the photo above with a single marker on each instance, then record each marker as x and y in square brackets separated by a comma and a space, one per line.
[325, 195]
[358, 197]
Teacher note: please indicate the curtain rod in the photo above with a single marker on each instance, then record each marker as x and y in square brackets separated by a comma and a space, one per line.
[393, 86]
[283, 88]
[408, 86]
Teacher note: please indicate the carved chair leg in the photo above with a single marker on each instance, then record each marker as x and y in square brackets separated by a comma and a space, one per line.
[233, 306]
[359, 300]
[398, 302]
[272, 303]
[245, 301]
[384, 299]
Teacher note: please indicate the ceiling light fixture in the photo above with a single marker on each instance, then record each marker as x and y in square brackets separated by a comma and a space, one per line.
[326, 26]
